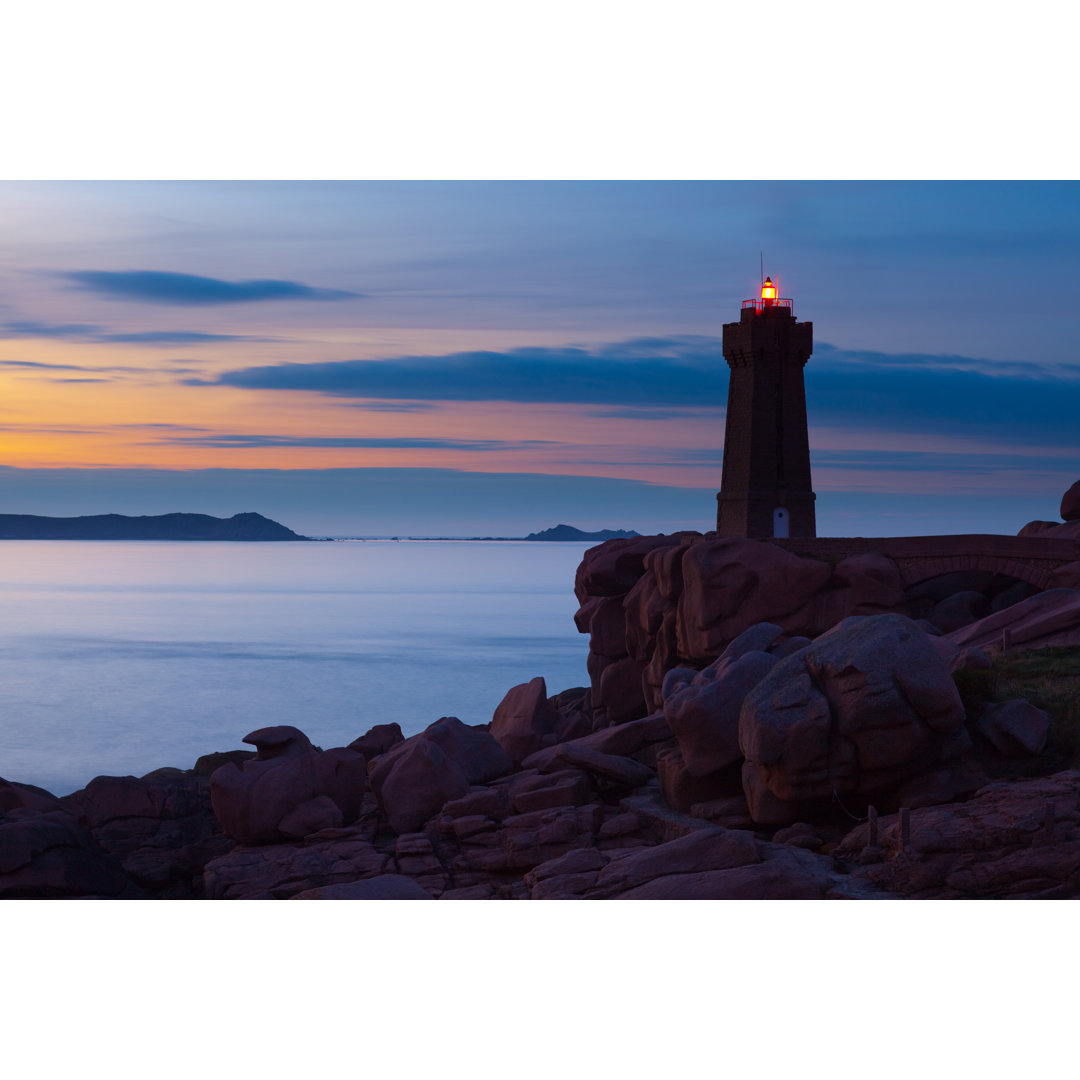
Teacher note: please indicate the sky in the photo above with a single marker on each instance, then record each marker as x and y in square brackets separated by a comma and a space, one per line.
[493, 358]
[942, 389]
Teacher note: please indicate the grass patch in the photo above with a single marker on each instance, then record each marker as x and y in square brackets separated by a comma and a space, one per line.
[1049, 678]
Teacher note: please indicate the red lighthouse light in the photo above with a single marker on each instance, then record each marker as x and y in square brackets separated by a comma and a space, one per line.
[768, 290]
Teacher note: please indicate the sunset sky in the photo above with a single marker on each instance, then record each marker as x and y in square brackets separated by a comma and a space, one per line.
[464, 358]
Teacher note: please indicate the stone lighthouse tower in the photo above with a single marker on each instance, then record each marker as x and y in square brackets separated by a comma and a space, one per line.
[765, 488]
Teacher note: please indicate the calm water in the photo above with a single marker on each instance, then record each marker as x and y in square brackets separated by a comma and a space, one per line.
[118, 658]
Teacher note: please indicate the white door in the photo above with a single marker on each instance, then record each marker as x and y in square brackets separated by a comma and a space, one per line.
[780, 523]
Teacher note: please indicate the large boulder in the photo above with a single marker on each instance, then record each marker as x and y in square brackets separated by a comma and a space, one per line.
[1070, 503]
[612, 568]
[1016, 727]
[161, 826]
[48, 855]
[473, 749]
[960, 609]
[377, 740]
[703, 710]
[863, 708]
[413, 782]
[525, 721]
[252, 799]
[729, 585]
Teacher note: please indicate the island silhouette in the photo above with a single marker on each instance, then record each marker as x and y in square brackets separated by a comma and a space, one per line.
[247, 526]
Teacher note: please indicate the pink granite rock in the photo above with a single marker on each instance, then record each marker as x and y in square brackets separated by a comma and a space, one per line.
[377, 740]
[15, 796]
[524, 719]
[620, 693]
[46, 855]
[1047, 618]
[784, 873]
[383, 887]
[1070, 503]
[603, 619]
[1016, 839]
[703, 713]
[618, 770]
[1066, 577]
[862, 709]
[1016, 727]
[706, 848]
[414, 781]
[612, 568]
[960, 609]
[1052, 530]
[284, 740]
[542, 791]
[311, 817]
[279, 871]
[681, 790]
[473, 749]
[729, 585]
[251, 799]
[634, 739]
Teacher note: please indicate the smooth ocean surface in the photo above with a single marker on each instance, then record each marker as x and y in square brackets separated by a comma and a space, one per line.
[118, 658]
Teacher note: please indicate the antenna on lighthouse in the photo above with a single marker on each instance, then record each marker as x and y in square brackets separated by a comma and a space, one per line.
[762, 255]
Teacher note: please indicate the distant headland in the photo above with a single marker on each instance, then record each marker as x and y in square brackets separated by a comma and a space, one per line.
[568, 532]
[160, 527]
[558, 532]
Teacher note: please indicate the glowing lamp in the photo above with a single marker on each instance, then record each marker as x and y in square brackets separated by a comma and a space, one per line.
[768, 290]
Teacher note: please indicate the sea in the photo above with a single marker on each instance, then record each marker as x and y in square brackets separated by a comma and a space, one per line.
[120, 657]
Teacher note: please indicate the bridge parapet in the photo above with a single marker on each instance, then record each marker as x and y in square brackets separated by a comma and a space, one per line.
[919, 558]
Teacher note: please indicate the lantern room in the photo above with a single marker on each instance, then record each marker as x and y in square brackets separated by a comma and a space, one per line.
[769, 299]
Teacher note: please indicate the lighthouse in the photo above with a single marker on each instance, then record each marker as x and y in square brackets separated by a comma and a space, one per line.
[765, 488]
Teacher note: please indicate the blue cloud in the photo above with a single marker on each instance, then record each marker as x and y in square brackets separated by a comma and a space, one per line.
[227, 441]
[34, 329]
[1019, 402]
[678, 371]
[40, 364]
[97, 335]
[925, 395]
[164, 287]
[175, 337]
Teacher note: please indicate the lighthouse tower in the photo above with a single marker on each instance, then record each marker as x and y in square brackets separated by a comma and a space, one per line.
[765, 488]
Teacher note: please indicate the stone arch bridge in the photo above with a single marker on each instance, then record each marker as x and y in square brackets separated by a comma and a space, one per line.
[1030, 558]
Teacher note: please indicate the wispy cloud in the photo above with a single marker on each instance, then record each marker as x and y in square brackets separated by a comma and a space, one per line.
[826, 355]
[98, 335]
[390, 406]
[165, 287]
[228, 441]
[38, 365]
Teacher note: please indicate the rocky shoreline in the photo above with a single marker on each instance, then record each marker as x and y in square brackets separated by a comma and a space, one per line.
[589, 821]
[759, 726]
